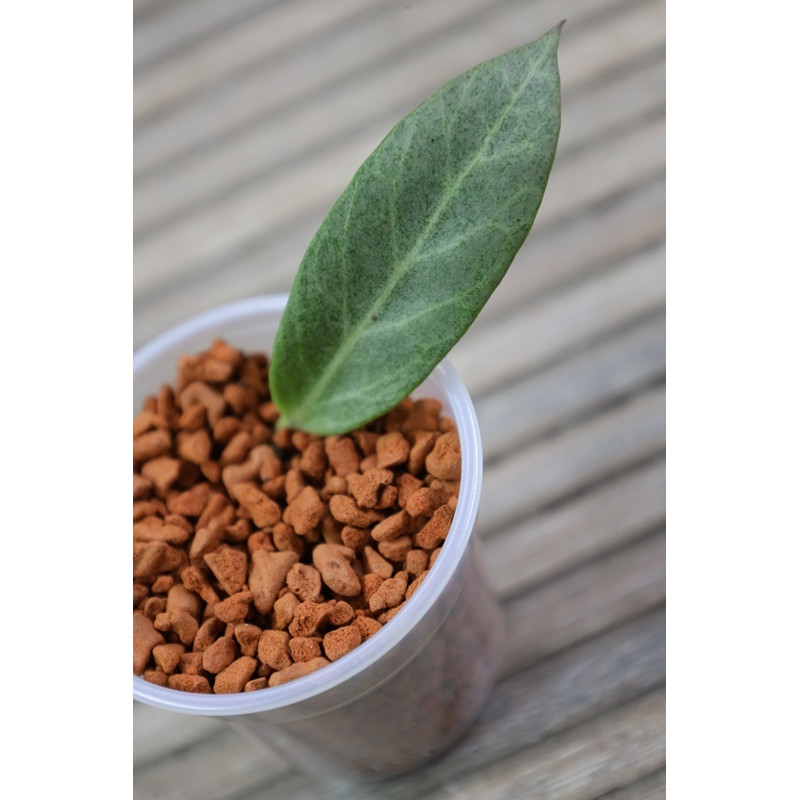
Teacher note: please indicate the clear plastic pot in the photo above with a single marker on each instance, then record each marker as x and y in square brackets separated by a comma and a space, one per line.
[407, 693]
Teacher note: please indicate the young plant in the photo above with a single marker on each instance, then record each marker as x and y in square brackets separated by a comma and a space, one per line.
[414, 247]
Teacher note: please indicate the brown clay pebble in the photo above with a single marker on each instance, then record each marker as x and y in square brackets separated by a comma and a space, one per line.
[191, 663]
[141, 487]
[344, 509]
[392, 527]
[229, 567]
[392, 450]
[342, 455]
[423, 444]
[219, 655]
[424, 502]
[273, 649]
[375, 562]
[263, 509]
[262, 555]
[247, 635]
[195, 581]
[234, 677]
[140, 592]
[145, 638]
[168, 656]
[333, 563]
[390, 593]
[189, 683]
[416, 561]
[415, 585]
[308, 617]
[435, 530]
[370, 584]
[153, 529]
[367, 626]
[153, 606]
[151, 445]
[283, 611]
[194, 446]
[340, 642]
[162, 473]
[234, 609]
[156, 676]
[207, 634]
[305, 511]
[180, 623]
[444, 460]
[192, 501]
[396, 549]
[366, 487]
[304, 582]
[355, 538]
[342, 614]
[268, 573]
[297, 671]
[302, 648]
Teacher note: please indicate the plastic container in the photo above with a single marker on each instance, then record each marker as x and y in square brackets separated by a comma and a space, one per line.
[406, 694]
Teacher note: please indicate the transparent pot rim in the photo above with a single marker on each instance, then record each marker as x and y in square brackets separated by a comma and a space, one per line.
[415, 609]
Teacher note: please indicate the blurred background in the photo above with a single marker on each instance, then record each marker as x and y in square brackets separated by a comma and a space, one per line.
[250, 118]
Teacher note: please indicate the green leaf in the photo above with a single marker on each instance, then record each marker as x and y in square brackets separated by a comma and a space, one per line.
[416, 244]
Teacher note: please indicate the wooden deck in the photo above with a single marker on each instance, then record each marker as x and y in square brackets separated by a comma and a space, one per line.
[250, 118]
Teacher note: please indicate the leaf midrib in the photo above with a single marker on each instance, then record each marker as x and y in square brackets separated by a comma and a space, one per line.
[357, 330]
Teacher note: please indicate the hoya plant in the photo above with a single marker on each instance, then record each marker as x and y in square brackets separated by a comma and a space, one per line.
[418, 241]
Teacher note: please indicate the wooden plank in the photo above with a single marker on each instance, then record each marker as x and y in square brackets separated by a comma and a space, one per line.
[179, 25]
[142, 8]
[637, 152]
[537, 335]
[376, 102]
[532, 478]
[219, 767]
[651, 787]
[278, 29]
[596, 237]
[433, 48]
[282, 80]
[605, 753]
[590, 599]
[154, 730]
[553, 541]
[573, 387]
